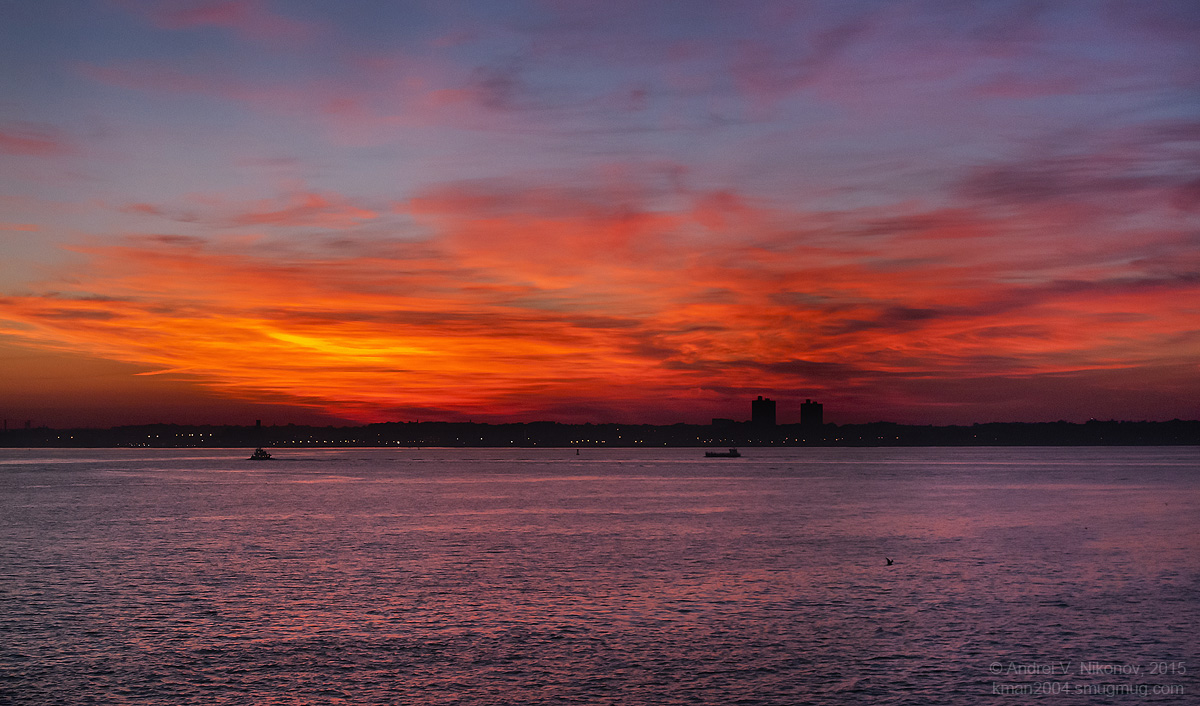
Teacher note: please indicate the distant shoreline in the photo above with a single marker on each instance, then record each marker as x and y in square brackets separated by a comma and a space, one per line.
[556, 435]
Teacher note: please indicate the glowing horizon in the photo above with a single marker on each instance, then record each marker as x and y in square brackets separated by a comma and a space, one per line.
[521, 212]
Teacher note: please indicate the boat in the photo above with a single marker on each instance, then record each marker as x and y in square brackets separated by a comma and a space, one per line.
[731, 453]
[260, 455]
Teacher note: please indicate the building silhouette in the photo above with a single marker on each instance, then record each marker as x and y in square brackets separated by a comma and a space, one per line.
[812, 414]
[762, 412]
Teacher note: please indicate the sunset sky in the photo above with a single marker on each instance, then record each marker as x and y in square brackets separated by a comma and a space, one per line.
[622, 211]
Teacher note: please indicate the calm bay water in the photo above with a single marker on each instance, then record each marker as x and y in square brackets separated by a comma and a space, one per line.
[452, 576]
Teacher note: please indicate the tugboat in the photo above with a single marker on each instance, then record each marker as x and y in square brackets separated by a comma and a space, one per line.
[731, 453]
[260, 455]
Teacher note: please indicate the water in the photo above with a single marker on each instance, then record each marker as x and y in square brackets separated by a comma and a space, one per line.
[451, 576]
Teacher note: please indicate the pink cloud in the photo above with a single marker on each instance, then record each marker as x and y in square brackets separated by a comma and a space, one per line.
[28, 140]
[306, 209]
[297, 208]
[1010, 85]
[251, 19]
[369, 109]
[142, 208]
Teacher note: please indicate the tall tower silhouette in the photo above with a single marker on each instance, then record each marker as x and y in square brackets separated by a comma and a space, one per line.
[762, 412]
[812, 414]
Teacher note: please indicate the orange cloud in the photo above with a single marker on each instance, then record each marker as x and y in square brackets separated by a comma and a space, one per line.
[524, 301]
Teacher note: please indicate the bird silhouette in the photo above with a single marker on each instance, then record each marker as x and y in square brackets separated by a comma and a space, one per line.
[889, 561]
